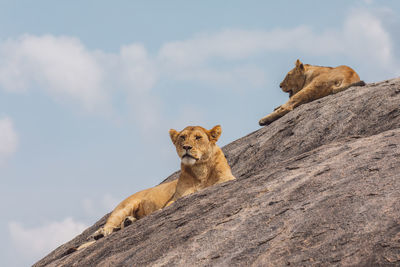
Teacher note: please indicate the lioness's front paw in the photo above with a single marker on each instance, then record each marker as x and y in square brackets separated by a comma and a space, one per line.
[102, 232]
[265, 121]
[98, 234]
[108, 230]
[128, 221]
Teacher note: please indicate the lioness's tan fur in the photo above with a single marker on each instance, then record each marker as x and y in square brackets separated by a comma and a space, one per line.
[203, 164]
[306, 83]
[209, 166]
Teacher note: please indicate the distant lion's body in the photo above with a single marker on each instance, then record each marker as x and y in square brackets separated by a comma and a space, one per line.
[306, 83]
[203, 164]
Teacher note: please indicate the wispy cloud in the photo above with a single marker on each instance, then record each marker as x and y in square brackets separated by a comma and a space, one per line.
[65, 69]
[362, 37]
[125, 80]
[232, 44]
[8, 139]
[33, 243]
[60, 65]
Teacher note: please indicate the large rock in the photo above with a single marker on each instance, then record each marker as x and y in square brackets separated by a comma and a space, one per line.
[318, 187]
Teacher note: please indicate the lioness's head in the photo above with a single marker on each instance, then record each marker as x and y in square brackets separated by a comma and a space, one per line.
[194, 143]
[294, 80]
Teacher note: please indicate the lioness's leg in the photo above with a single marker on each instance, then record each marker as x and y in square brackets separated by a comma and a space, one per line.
[278, 112]
[118, 217]
[342, 88]
[302, 97]
[84, 245]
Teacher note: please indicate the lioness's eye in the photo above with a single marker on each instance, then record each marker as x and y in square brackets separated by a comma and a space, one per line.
[198, 137]
[183, 137]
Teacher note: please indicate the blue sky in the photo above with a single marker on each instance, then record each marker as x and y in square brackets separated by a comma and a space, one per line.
[89, 90]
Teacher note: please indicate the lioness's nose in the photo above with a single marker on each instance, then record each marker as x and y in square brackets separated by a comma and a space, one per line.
[187, 147]
[280, 85]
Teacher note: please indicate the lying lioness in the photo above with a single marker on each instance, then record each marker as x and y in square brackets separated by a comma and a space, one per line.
[203, 164]
[306, 83]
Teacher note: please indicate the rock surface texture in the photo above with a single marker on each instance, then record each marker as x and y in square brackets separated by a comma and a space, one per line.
[318, 187]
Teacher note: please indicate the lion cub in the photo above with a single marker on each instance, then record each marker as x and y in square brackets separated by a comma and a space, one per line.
[306, 83]
[203, 164]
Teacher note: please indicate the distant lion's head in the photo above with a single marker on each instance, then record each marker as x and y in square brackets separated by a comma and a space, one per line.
[194, 143]
[294, 80]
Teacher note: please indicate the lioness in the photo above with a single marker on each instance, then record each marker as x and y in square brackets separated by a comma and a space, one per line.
[306, 83]
[203, 164]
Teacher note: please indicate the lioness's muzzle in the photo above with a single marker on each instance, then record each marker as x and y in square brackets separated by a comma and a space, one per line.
[189, 156]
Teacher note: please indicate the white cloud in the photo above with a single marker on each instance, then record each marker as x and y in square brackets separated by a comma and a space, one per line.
[138, 74]
[8, 139]
[34, 243]
[138, 71]
[234, 44]
[195, 59]
[362, 38]
[367, 39]
[60, 65]
[66, 70]
[125, 80]
[131, 74]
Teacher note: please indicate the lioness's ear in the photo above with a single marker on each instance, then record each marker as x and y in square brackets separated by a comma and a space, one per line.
[299, 65]
[215, 133]
[173, 134]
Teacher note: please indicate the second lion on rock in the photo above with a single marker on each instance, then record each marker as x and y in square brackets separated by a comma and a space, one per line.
[306, 83]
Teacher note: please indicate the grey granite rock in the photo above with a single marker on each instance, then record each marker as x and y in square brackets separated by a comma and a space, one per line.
[318, 187]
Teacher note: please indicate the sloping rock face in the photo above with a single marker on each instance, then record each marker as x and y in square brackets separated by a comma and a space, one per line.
[318, 187]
